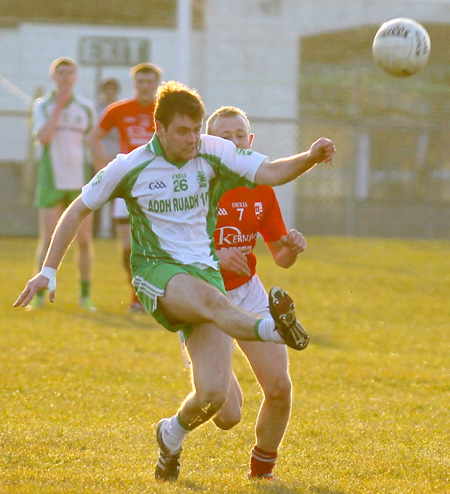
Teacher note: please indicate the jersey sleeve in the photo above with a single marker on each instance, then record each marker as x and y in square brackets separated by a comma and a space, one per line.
[272, 226]
[103, 186]
[232, 167]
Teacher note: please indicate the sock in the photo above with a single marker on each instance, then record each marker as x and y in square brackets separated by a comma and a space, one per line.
[262, 462]
[265, 331]
[174, 432]
[85, 288]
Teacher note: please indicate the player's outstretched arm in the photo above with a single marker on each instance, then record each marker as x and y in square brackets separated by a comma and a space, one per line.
[63, 235]
[285, 170]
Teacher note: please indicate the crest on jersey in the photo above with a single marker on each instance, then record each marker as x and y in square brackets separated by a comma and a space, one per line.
[258, 208]
[98, 178]
[201, 179]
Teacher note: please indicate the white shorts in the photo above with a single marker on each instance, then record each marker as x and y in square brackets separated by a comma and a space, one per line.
[251, 297]
[120, 210]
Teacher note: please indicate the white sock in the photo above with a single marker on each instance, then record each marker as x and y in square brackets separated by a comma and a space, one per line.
[173, 433]
[267, 332]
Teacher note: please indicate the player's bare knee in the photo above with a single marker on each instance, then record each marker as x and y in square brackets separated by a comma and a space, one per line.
[228, 420]
[216, 303]
[212, 400]
[279, 390]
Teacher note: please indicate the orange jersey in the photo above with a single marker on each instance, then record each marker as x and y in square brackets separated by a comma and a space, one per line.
[133, 121]
[243, 213]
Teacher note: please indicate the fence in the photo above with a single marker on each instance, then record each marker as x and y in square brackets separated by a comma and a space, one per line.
[389, 180]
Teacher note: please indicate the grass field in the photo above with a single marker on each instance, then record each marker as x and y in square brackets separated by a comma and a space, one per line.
[81, 394]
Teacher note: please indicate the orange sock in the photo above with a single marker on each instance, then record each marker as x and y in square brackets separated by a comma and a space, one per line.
[262, 463]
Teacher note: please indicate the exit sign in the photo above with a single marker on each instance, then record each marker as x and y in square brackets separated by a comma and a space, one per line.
[97, 50]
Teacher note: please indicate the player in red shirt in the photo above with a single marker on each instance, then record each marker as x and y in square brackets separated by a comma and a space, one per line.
[243, 213]
[133, 118]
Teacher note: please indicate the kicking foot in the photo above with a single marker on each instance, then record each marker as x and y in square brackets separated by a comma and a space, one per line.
[168, 466]
[282, 310]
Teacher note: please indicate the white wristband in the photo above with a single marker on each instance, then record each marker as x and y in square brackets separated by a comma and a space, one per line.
[49, 273]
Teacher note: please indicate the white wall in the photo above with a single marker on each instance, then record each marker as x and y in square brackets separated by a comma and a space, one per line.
[248, 55]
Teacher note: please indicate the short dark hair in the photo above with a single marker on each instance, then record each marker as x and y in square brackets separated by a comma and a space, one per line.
[109, 82]
[174, 98]
[146, 68]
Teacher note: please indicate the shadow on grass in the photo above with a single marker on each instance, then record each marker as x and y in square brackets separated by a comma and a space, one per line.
[264, 487]
[325, 490]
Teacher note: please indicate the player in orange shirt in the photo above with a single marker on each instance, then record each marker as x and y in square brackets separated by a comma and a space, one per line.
[133, 118]
[243, 213]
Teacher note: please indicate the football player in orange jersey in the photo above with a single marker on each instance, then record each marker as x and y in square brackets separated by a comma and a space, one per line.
[243, 213]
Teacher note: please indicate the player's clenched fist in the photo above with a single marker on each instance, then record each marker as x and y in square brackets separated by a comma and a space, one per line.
[294, 241]
[322, 150]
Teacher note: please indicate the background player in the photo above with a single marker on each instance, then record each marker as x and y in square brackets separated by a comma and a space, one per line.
[62, 121]
[108, 93]
[243, 213]
[133, 118]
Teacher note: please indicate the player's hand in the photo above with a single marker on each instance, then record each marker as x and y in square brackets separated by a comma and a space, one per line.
[37, 283]
[294, 241]
[63, 95]
[235, 260]
[322, 150]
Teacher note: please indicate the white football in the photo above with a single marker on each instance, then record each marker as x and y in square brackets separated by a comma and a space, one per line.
[401, 47]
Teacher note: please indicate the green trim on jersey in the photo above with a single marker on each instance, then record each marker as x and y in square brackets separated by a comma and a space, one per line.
[154, 146]
[140, 225]
[217, 187]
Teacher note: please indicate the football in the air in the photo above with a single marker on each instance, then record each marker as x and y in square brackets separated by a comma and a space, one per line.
[401, 47]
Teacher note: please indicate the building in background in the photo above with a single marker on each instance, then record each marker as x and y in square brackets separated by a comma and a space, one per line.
[299, 69]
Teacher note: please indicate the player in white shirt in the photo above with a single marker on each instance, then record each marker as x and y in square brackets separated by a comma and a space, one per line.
[172, 187]
[61, 124]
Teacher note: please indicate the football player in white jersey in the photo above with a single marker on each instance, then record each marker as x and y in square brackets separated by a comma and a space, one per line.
[172, 187]
[62, 121]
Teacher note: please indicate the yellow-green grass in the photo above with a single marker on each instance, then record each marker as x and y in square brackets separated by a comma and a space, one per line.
[80, 394]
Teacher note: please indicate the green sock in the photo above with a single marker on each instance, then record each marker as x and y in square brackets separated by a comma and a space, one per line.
[85, 288]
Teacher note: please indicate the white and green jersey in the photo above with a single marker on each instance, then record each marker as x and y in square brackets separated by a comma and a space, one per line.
[67, 153]
[173, 206]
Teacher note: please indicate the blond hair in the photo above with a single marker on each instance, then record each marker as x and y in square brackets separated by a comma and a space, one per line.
[62, 61]
[226, 111]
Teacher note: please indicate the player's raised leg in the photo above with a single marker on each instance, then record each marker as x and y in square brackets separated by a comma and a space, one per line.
[191, 300]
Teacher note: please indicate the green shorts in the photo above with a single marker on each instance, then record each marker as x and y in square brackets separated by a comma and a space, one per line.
[150, 281]
[47, 195]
